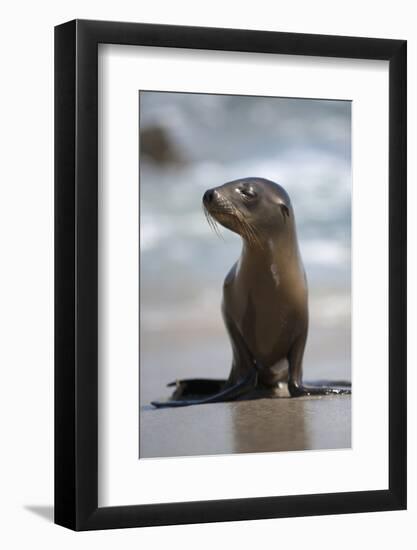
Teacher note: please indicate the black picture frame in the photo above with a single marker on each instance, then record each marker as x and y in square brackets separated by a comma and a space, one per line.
[76, 272]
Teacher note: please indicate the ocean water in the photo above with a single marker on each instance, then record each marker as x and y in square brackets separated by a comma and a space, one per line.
[207, 140]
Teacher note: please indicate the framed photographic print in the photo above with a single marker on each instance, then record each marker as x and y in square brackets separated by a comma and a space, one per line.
[230, 274]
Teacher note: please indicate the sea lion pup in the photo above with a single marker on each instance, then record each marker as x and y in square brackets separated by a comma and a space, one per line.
[265, 298]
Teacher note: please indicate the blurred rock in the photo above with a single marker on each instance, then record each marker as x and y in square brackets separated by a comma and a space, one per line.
[158, 147]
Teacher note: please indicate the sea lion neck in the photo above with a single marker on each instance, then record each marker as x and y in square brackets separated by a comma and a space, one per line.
[275, 248]
[277, 264]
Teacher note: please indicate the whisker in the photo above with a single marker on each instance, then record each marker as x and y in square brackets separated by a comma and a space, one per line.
[254, 231]
[212, 223]
[248, 231]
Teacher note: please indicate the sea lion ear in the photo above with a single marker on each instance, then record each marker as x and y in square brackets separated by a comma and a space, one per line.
[285, 210]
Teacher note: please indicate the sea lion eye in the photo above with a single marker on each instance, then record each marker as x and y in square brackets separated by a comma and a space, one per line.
[247, 192]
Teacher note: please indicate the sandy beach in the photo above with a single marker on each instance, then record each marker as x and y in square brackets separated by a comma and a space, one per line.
[263, 425]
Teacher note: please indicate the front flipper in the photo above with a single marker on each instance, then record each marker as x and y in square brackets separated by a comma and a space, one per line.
[243, 377]
[312, 389]
[195, 388]
[297, 388]
[227, 394]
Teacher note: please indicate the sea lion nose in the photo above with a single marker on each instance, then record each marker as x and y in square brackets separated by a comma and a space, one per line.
[208, 196]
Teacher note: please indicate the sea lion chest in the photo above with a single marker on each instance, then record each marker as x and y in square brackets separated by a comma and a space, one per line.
[267, 301]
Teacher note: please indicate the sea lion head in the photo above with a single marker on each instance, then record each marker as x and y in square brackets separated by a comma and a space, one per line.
[255, 208]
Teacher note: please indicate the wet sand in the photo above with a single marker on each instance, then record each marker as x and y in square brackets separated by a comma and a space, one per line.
[263, 425]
